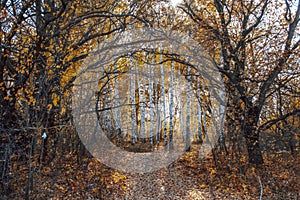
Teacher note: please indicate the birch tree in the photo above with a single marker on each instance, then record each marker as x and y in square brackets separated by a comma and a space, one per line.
[132, 102]
[199, 121]
[151, 104]
[163, 93]
[141, 104]
[171, 107]
[43, 43]
[188, 112]
[117, 113]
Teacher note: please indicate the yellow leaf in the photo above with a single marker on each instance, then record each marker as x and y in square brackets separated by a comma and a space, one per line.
[55, 99]
[213, 171]
[118, 177]
[49, 106]
[63, 111]
[123, 187]
[60, 188]
[244, 185]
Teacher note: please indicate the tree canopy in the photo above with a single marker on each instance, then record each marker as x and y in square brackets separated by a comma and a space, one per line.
[147, 99]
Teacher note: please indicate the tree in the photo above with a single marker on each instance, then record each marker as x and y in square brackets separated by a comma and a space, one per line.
[258, 42]
[43, 42]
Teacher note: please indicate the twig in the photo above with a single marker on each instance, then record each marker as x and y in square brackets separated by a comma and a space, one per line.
[261, 188]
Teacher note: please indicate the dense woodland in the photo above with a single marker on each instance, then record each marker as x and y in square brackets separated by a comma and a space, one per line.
[149, 99]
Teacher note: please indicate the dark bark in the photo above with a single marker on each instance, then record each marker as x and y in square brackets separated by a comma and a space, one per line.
[253, 147]
[251, 134]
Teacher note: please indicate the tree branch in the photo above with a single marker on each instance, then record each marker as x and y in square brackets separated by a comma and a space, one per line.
[270, 123]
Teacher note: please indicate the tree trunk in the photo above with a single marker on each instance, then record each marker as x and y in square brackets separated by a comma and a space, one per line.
[188, 115]
[253, 147]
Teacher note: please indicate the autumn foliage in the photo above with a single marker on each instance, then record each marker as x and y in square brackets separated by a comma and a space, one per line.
[255, 47]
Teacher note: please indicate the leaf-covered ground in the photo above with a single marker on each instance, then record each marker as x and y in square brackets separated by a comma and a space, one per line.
[187, 178]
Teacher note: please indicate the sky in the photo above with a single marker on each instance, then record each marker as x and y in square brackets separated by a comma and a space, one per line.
[175, 2]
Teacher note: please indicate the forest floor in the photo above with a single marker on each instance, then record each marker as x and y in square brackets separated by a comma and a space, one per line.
[187, 178]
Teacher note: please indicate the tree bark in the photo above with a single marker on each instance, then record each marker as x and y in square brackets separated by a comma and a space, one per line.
[253, 147]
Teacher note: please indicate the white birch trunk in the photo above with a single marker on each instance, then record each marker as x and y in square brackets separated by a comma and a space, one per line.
[222, 115]
[195, 120]
[133, 103]
[199, 113]
[221, 111]
[151, 106]
[204, 122]
[171, 107]
[106, 113]
[158, 118]
[188, 113]
[181, 116]
[117, 113]
[163, 99]
[141, 104]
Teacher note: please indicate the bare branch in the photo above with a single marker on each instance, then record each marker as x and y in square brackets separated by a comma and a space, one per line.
[270, 123]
